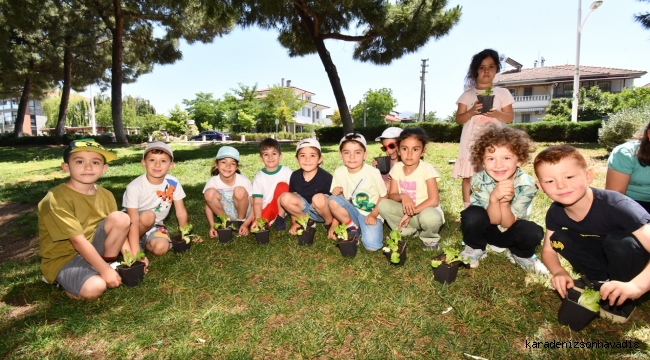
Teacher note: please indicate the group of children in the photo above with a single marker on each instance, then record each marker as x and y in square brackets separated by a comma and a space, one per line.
[604, 235]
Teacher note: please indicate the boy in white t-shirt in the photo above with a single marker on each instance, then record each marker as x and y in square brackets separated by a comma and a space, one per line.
[149, 198]
[269, 183]
[357, 188]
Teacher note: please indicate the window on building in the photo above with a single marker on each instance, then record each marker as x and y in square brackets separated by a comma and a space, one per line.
[309, 112]
[513, 92]
[525, 118]
[528, 91]
[32, 119]
[317, 114]
[587, 84]
[605, 86]
[568, 88]
[32, 107]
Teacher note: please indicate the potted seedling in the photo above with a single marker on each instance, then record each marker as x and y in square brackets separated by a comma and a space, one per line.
[487, 99]
[183, 242]
[577, 309]
[383, 164]
[395, 249]
[261, 231]
[130, 269]
[347, 245]
[224, 228]
[306, 232]
[445, 266]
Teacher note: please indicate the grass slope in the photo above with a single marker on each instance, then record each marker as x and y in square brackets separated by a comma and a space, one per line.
[242, 300]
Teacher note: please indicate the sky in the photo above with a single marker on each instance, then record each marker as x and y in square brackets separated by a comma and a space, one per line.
[523, 30]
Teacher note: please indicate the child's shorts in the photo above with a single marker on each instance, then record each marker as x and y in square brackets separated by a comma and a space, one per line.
[308, 209]
[229, 205]
[156, 231]
[74, 274]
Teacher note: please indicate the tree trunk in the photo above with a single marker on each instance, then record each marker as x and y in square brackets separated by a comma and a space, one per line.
[116, 74]
[333, 75]
[22, 108]
[65, 94]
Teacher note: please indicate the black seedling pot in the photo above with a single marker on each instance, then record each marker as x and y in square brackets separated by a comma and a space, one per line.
[401, 247]
[307, 237]
[445, 273]
[383, 164]
[133, 275]
[348, 247]
[262, 237]
[179, 245]
[487, 101]
[225, 235]
[573, 314]
[238, 224]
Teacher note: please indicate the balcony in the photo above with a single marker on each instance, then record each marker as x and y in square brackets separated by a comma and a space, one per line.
[532, 101]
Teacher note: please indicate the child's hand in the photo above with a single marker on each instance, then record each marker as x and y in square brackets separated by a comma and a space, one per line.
[492, 113]
[337, 191]
[111, 277]
[330, 233]
[622, 291]
[504, 188]
[408, 206]
[146, 264]
[213, 233]
[562, 281]
[243, 230]
[371, 219]
[294, 228]
[476, 109]
[374, 163]
[403, 222]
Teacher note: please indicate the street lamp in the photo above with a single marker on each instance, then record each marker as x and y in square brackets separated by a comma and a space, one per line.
[576, 74]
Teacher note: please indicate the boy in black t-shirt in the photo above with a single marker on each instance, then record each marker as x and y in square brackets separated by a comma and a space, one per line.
[603, 234]
[309, 187]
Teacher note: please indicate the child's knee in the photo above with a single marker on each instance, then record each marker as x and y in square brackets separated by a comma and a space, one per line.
[212, 194]
[117, 220]
[93, 288]
[239, 193]
[319, 201]
[147, 219]
[158, 246]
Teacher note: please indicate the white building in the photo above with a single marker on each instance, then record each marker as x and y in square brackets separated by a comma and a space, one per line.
[310, 113]
[533, 88]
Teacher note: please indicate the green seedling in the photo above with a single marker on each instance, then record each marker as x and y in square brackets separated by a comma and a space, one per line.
[130, 260]
[186, 232]
[302, 221]
[451, 256]
[259, 225]
[222, 223]
[590, 299]
[341, 232]
[488, 91]
[392, 245]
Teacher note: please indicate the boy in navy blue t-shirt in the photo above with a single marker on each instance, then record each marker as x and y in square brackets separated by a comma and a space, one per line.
[603, 234]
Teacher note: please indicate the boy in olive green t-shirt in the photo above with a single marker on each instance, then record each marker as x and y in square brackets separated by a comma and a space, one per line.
[80, 229]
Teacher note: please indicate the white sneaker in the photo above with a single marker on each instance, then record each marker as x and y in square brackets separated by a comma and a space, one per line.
[495, 248]
[531, 264]
[474, 255]
[115, 264]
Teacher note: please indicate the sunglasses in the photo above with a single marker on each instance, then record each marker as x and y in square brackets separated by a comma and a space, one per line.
[389, 146]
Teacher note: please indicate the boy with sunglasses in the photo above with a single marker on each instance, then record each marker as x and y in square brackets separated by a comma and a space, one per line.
[388, 141]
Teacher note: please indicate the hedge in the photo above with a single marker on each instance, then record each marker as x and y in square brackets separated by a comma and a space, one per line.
[9, 140]
[543, 131]
[282, 135]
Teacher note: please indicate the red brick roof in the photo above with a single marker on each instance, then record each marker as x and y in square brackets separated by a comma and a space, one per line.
[549, 74]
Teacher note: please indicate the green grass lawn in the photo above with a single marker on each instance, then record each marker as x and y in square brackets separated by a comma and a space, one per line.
[242, 300]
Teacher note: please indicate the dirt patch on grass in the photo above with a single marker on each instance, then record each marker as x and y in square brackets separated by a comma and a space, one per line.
[15, 246]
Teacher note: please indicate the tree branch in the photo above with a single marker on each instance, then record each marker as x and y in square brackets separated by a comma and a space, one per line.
[338, 36]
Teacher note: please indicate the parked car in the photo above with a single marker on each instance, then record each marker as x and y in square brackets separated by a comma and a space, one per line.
[211, 135]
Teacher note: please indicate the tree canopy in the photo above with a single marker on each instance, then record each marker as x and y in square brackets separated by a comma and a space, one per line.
[382, 30]
[379, 103]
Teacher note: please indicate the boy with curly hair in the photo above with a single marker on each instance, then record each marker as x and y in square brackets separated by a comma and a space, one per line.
[501, 201]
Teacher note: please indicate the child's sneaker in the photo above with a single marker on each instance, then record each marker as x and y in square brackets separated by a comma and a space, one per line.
[617, 314]
[311, 223]
[430, 246]
[495, 248]
[353, 232]
[474, 255]
[531, 264]
[280, 223]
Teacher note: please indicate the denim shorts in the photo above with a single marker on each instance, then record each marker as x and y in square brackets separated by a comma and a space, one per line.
[308, 209]
[74, 274]
[371, 235]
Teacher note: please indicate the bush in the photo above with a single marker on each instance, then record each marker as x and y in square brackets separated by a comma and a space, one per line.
[137, 138]
[623, 125]
[158, 136]
[282, 135]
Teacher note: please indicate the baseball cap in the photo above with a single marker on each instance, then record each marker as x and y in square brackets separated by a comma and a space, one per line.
[390, 133]
[308, 142]
[228, 152]
[356, 137]
[88, 144]
[159, 145]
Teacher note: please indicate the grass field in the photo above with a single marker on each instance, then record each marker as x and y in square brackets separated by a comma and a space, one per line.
[242, 300]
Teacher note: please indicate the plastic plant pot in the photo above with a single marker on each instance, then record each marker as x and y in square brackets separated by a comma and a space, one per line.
[383, 164]
[445, 273]
[133, 275]
[225, 235]
[179, 245]
[401, 247]
[573, 314]
[487, 101]
[348, 247]
[307, 237]
[262, 237]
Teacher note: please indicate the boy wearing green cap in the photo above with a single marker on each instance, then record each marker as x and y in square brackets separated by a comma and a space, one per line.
[80, 230]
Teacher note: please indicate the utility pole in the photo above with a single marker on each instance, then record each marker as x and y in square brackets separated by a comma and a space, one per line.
[93, 124]
[424, 66]
[364, 112]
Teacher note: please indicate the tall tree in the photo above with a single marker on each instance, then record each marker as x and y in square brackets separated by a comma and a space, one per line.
[388, 29]
[132, 24]
[280, 103]
[206, 111]
[336, 118]
[378, 103]
[243, 105]
[644, 19]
